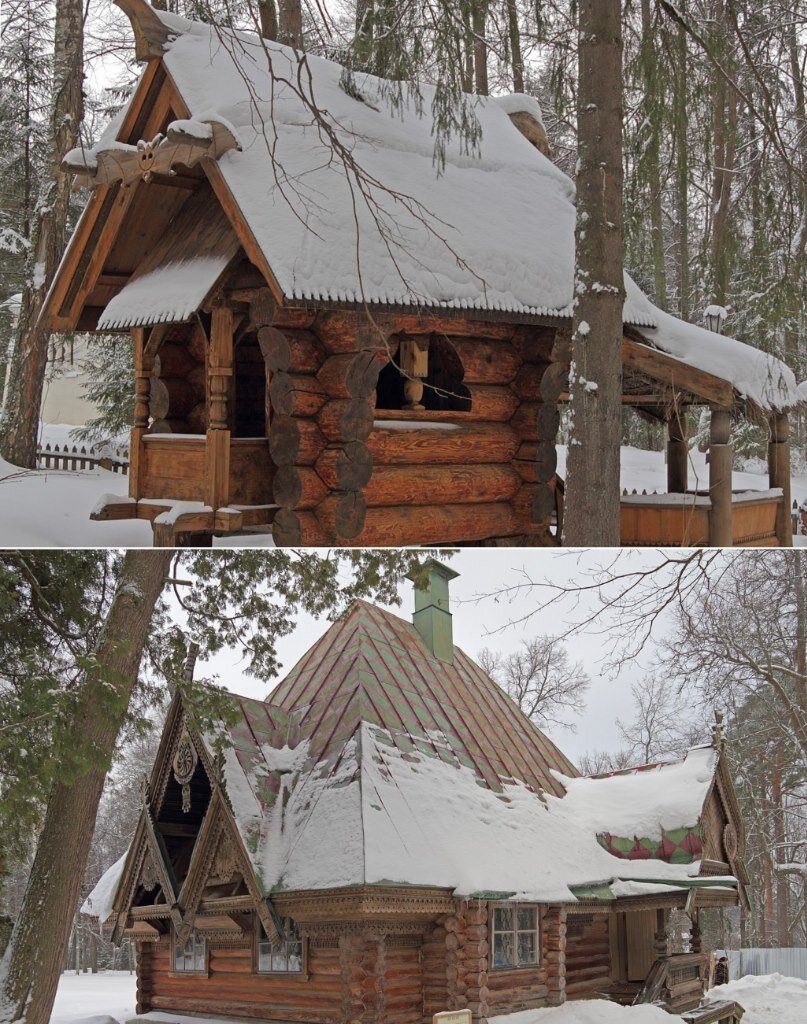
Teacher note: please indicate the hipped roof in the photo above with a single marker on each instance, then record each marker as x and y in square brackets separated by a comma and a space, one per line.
[493, 233]
[374, 762]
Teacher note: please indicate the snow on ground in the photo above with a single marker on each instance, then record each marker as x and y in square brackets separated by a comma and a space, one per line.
[767, 998]
[47, 508]
[589, 1011]
[84, 997]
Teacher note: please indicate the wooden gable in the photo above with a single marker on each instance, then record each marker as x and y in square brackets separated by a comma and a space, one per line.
[722, 829]
[176, 870]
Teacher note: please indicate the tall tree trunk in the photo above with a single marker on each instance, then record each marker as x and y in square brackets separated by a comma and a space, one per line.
[724, 156]
[479, 12]
[18, 434]
[267, 13]
[592, 485]
[653, 108]
[516, 56]
[290, 23]
[36, 952]
[681, 118]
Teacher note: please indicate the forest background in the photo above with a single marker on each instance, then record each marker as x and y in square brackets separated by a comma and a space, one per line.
[714, 141]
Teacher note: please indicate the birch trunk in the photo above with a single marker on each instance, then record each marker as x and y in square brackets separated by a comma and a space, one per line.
[592, 485]
[18, 434]
[35, 955]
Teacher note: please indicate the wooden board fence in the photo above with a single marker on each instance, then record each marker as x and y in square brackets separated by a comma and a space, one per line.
[76, 459]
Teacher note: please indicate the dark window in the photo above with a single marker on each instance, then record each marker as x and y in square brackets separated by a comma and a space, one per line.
[515, 937]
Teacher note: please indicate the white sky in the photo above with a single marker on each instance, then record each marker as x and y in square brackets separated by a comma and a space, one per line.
[483, 622]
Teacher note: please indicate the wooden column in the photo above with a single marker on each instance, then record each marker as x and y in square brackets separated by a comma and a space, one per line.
[553, 929]
[660, 938]
[677, 453]
[220, 372]
[720, 465]
[143, 368]
[779, 474]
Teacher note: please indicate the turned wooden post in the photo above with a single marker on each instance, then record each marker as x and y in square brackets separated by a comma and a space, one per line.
[660, 938]
[413, 358]
[220, 371]
[779, 474]
[720, 465]
[143, 368]
[677, 453]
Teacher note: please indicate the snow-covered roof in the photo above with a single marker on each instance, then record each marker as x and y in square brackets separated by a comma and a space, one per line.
[410, 770]
[375, 762]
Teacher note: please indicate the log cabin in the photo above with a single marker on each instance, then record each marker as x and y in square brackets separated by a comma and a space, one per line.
[336, 343]
[388, 836]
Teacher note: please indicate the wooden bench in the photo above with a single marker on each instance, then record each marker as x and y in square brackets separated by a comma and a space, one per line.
[723, 1011]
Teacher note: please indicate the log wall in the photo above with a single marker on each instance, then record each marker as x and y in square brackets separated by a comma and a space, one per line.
[588, 955]
[232, 988]
[346, 477]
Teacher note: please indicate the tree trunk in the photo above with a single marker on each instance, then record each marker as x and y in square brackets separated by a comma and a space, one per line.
[653, 108]
[19, 432]
[592, 486]
[290, 23]
[267, 12]
[724, 156]
[37, 948]
[681, 118]
[516, 56]
[479, 12]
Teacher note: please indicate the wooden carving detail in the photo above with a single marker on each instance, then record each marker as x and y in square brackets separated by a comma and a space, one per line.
[730, 841]
[149, 873]
[185, 142]
[226, 860]
[185, 761]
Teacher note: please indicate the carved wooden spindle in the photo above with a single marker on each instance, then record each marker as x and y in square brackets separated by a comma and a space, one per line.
[220, 371]
[413, 358]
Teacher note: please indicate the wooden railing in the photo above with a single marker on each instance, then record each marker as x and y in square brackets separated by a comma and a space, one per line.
[76, 459]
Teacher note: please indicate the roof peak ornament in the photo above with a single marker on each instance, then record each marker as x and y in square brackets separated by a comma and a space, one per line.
[718, 731]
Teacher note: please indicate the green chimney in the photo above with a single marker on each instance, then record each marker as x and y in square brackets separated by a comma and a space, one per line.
[432, 619]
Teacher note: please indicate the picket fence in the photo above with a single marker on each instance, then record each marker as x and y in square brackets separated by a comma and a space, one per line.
[76, 459]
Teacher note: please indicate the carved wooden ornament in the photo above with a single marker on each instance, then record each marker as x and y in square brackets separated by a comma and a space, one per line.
[184, 765]
[185, 142]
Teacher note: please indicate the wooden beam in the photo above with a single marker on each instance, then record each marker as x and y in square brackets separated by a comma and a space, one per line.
[720, 467]
[677, 454]
[150, 33]
[678, 375]
[779, 474]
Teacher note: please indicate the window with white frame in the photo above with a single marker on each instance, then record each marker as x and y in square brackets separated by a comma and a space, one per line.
[515, 937]
[286, 956]
[191, 958]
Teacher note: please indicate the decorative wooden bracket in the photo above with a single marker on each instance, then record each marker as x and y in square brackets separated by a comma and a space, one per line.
[186, 142]
[150, 32]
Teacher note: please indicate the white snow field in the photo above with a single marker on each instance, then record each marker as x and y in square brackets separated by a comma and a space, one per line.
[46, 508]
[769, 999]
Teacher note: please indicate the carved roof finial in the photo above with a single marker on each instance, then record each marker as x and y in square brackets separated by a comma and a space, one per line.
[718, 732]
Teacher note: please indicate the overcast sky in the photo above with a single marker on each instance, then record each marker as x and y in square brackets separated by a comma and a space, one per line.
[482, 621]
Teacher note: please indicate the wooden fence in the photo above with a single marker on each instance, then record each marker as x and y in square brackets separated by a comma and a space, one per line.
[74, 459]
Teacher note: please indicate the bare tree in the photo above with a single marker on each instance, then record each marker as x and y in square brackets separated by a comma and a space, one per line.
[658, 727]
[541, 678]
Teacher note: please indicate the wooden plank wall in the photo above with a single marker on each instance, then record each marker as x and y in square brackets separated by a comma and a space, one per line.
[588, 956]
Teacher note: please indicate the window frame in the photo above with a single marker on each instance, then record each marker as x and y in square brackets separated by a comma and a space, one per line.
[259, 935]
[181, 972]
[514, 931]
